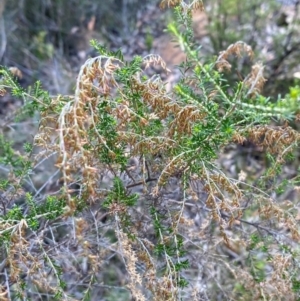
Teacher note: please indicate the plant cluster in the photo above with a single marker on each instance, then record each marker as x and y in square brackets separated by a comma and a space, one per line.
[142, 188]
[271, 30]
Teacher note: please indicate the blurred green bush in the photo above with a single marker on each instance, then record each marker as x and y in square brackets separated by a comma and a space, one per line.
[271, 28]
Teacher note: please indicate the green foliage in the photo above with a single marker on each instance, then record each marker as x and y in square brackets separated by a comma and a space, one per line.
[149, 40]
[119, 195]
[107, 128]
[51, 209]
[169, 245]
[21, 165]
[40, 47]
[104, 51]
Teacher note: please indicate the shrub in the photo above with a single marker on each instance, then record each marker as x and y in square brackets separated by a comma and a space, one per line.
[269, 27]
[143, 192]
